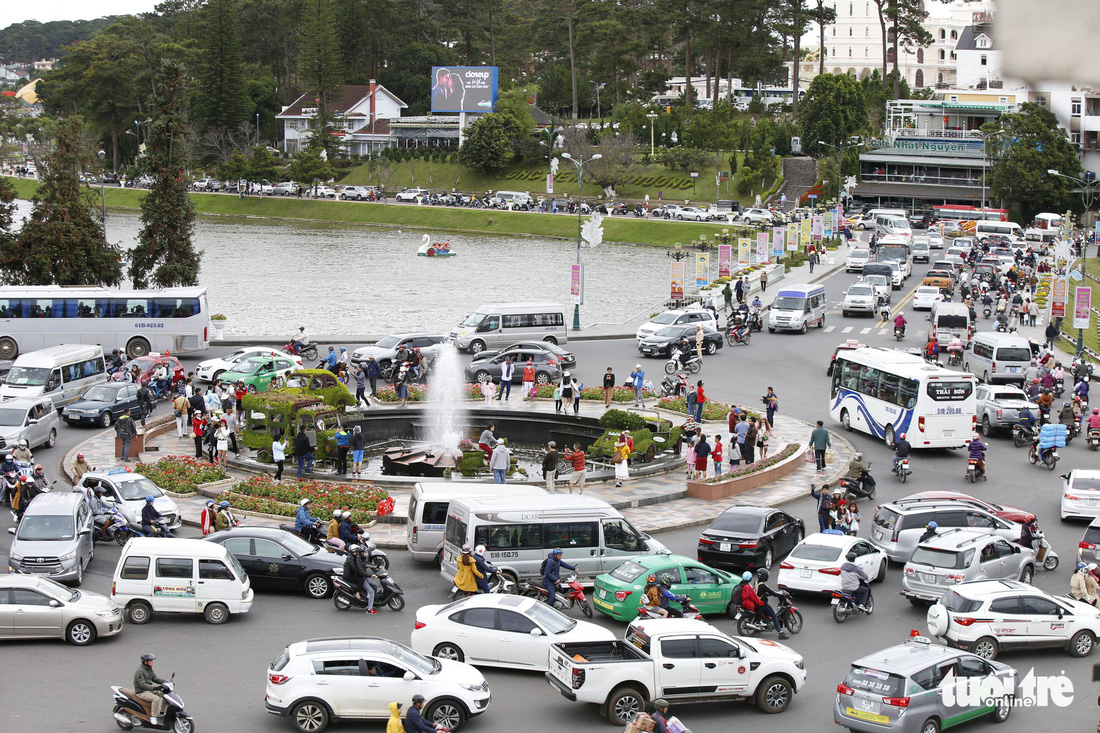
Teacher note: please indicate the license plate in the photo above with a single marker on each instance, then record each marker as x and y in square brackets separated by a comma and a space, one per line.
[864, 715]
[928, 577]
[835, 601]
[603, 593]
[1090, 502]
[878, 534]
[949, 433]
[868, 705]
[724, 546]
[603, 604]
[1014, 369]
[805, 573]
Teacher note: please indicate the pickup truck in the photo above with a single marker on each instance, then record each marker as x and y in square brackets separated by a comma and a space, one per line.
[682, 660]
[999, 406]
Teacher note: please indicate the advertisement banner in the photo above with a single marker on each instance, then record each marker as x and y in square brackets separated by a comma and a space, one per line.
[818, 228]
[725, 260]
[762, 241]
[828, 224]
[549, 183]
[676, 280]
[576, 284]
[777, 241]
[702, 269]
[1082, 299]
[744, 247]
[792, 233]
[1058, 291]
[804, 233]
[464, 88]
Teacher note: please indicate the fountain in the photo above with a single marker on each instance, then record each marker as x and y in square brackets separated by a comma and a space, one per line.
[444, 414]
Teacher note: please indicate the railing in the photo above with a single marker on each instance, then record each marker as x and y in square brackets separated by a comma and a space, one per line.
[919, 179]
[945, 134]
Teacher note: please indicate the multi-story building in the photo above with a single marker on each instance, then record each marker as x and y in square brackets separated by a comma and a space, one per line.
[360, 109]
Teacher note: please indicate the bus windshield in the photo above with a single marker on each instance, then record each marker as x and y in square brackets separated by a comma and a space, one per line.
[473, 320]
[789, 303]
[28, 376]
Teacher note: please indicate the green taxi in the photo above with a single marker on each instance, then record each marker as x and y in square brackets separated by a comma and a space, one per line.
[260, 373]
[618, 593]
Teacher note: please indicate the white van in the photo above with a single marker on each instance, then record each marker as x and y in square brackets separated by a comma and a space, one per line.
[950, 321]
[501, 324]
[428, 507]
[1047, 221]
[797, 307]
[166, 575]
[892, 225]
[60, 372]
[983, 229]
[900, 213]
[1040, 240]
[997, 357]
[513, 198]
[520, 533]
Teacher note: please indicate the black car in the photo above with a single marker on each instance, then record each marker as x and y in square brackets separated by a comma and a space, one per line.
[566, 358]
[278, 560]
[613, 207]
[661, 342]
[749, 537]
[547, 367]
[102, 405]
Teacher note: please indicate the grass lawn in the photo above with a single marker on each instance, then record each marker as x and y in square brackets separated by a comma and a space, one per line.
[1092, 266]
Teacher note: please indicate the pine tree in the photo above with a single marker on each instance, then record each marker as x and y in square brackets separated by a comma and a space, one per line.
[223, 100]
[62, 243]
[164, 248]
[321, 68]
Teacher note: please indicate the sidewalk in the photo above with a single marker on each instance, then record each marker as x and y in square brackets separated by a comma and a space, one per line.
[652, 503]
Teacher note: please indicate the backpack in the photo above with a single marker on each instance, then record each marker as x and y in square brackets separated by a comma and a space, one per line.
[542, 568]
[735, 597]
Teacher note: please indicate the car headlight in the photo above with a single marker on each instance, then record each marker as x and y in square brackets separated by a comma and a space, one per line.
[13, 558]
[68, 556]
[483, 687]
[800, 663]
[107, 614]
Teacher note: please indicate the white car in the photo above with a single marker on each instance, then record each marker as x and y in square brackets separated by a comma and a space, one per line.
[127, 491]
[757, 216]
[324, 192]
[935, 240]
[316, 681]
[857, 258]
[210, 369]
[285, 188]
[879, 282]
[411, 194]
[688, 317]
[813, 566]
[897, 275]
[925, 296]
[986, 616]
[1081, 494]
[499, 631]
[859, 298]
[265, 189]
[693, 213]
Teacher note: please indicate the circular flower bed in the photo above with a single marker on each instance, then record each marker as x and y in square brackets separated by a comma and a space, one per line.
[268, 496]
[181, 474]
[756, 466]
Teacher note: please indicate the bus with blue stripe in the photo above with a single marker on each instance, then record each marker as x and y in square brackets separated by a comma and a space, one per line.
[886, 392]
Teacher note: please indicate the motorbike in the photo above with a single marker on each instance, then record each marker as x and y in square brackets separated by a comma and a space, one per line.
[863, 488]
[884, 314]
[687, 610]
[899, 332]
[1059, 387]
[901, 469]
[973, 472]
[754, 321]
[570, 593]
[845, 606]
[345, 595]
[133, 712]
[693, 364]
[674, 386]
[498, 583]
[159, 529]
[954, 357]
[1045, 554]
[1023, 433]
[112, 526]
[750, 623]
[308, 352]
[738, 334]
[10, 486]
[1093, 438]
[986, 311]
[1048, 458]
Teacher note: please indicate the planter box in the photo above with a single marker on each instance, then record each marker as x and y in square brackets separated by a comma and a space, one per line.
[137, 445]
[741, 484]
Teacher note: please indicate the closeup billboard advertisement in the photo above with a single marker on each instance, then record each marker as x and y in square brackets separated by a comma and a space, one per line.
[464, 88]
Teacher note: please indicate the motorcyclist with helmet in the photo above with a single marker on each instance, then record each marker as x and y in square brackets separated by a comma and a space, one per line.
[147, 686]
[665, 587]
[1067, 418]
[414, 719]
[149, 517]
[23, 452]
[225, 518]
[855, 582]
[305, 523]
[484, 567]
[929, 532]
[751, 601]
[1083, 586]
[901, 449]
[299, 342]
[899, 323]
[358, 573]
[976, 450]
[39, 478]
[860, 474]
[651, 597]
[1093, 422]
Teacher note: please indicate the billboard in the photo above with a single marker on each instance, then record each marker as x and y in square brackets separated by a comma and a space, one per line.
[464, 88]
[676, 280]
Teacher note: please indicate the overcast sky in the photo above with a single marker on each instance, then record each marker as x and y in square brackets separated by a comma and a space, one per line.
[16, 11]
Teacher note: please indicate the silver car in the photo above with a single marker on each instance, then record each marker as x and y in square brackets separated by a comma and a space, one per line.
[39, 608]
[385, 349]
[901, 689]
[897, 527]
[959, 555]
[33, 419]
[54, 538]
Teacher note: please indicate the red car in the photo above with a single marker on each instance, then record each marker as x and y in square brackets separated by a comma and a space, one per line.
[148, 367]
[1004, 511]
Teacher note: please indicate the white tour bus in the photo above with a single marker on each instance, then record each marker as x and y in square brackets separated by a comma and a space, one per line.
[520, 533]
[886, 393]
[501, 324]
[1047, 221]
[60, 372]
[139, 322]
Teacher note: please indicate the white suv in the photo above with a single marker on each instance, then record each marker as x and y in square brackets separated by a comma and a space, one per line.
[686, 317]
[411, 194]
[757, 216]
[316, 681]
[986, 616]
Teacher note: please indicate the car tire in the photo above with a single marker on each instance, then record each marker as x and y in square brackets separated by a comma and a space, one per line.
[1027, 575]
[880, 576]
[769, 556]
[482, 376]
[844, 313]
[8, 348]
[712, 348]
[1082, 643]
[771, 330]
[139, 613]
[542, 378]
[215, 613]
[930, 726]
[318, 585]
[450, 651]
[310, 716]
[550, 340]
[343, 197]
[477, 346]
[52, 440]
[774, 695]
[805, 327]
[106, 419]
[137, 347]
[987, 427]
[846, 420]
[80, 632]
[986, 647]
[888, 435]
[624, 704]
[1002, 710]
[447, 713]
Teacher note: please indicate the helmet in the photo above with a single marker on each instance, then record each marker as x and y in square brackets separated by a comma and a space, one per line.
[859, 456]
[902, 436]
[465, 549]
[1095, 411]
[301, 328]
[8, 457]
[209, 502]
[1092, 566]
[305, 501]
[346, 514]
[331, 349]
[763, 574]
[79, 456]
[1081, 566]
[850, 557]
[335, 513]
[932, 525]
[746, 576]
[558, 551]
[343, 349]
[667, 579]
[651, 578]
[23, 443]
[224, 505]
[418, 698]
[479, 550]
[660, 703]
[149, 498]
[354, 548]
[147, 657]
[38, 468]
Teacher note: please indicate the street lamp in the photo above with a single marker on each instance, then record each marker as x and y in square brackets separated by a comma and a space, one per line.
[1088, 197]
[678, 253]
[580, 163]
[651, 117]
[257, 129]
[985, 154]
[599, 86]
[102, 155]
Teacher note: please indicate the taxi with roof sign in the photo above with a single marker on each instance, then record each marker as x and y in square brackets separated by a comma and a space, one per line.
[619, 593]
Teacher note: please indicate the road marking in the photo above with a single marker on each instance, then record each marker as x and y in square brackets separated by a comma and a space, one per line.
[847, 330]
[866, 331]
[829, 329]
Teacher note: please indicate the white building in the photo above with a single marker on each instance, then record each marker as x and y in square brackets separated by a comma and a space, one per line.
[359, 110]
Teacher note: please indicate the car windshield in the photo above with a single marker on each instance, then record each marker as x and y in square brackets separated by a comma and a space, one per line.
[1010, 353]
[550, 619]
[817, 553]
[740, 523]
[28, 376]
[101, 394]
[860, 290]
[474, 319]
[957, 603]
[628, 571]
[11, 417]
[137, 488]
[886, 518]
[46, 528]
[421, 665]
[390, 341]
[664, 318]
[296, 544]
[248, 367]
[1092, 536]
[879, 280]
[928, 290]
[789, 303]
[875, 681]
[57, 590]
[1009, 396]
[669, 331]
[1080, 483]
[859, 254]
[947, 559]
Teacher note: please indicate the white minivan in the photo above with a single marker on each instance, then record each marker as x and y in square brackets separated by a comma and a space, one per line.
[984, 229]
[501, 324]
[950, 321]
[997, 357]
[428, 507]
[60, 372]
[520, 533]
[1040, 240]
[164, 575]
[797, 307]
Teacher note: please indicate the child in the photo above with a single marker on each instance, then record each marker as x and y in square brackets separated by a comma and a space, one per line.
[853, 519]
[487, 390]
[716, 454]
[557, 398]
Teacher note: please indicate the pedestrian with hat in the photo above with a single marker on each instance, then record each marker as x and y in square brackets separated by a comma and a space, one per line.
[550, 465]
[567, 391]
[637, 380]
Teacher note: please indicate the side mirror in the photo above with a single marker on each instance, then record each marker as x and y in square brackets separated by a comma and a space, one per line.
[54, 603]
[11, 530]
[536, 632]
[1064, 476]
[85, 532]
[409, 677]
[1016, 549]
[287, 556]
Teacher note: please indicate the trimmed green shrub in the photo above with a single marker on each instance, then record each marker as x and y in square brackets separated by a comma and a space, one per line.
[620, 420]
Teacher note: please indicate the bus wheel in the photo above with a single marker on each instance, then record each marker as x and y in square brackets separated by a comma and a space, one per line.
[137, 347]
[8, 348]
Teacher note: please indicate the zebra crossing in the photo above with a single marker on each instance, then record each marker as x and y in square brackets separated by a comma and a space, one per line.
[881, 328]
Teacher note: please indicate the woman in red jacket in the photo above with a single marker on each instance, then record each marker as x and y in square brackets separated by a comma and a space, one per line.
[196, 432]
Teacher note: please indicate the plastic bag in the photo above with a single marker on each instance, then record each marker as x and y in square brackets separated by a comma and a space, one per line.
[830, 456]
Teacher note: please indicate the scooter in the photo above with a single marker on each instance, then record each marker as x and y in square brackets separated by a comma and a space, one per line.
[973, 472]
[1023, 433]
[845, 606]
[570, 593]
[674, 386]
[308, 352]
[498, 583]
[1048, 457]
[111, 526]
[1045, 555]
[739, 334]
[901, 469]
[987, 311]
[863, 488]
[693, 364]
[1093, 438]
[899, 332]
[751, 624]
[345, 596]
[159, 529]
[954, 358]
[133, 712]
[10, 486]
[687, 610]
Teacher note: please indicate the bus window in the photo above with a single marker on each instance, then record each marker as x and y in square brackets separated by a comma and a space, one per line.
[510, 536]
[9, 308]
[908, 393]
[888, 388]
[41, 308]
[572, 534]
[868, 381]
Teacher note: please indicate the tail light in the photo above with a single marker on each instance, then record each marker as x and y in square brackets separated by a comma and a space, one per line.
[830, 571]
[577, 678]
[964, 620]
[277, 679]
[843, 689]
[974, 423]
[955, 577]
[998, 414]
[205, 336]
[747, 545]
[705, 541]
[786, 566]
[1086, 546]
[1071, 497]
[993, 366]
[910, 571]
[419, 625]
[920, 424]
[898, 702]
[622, 595]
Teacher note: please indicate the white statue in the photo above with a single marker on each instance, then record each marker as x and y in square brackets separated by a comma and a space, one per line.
[592, 230]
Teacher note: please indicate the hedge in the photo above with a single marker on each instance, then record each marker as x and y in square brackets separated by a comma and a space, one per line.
[712, 409]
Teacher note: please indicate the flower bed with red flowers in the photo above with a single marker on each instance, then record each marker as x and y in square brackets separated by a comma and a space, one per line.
[268, 496]
[764, 463]
[181, 474]
[619, 394]
[418, 393]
